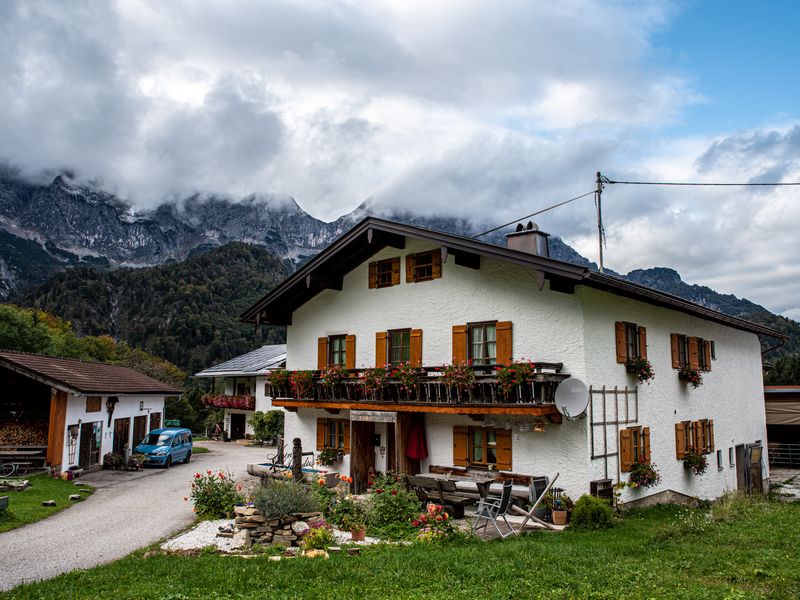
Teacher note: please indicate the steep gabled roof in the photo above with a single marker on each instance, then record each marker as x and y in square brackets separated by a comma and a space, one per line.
[83, 376]
[326, 270]
[256, 362]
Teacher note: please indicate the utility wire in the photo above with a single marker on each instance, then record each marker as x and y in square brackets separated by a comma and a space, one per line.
[538, 212]
[695, 184]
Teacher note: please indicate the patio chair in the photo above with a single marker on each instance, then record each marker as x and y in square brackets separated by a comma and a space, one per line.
[535, 489]
[491, 510]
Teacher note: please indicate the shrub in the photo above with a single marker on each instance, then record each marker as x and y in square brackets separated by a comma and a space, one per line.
[591, 512]
[214, 494]
[318, 537]
[435, 525]
[278, 498]
[323, 495]
[267, 424]
[391, 503]
[349, 514]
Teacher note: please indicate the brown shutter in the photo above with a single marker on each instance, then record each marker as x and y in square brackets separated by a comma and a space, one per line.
[350, 352]
[322, 425]
[710, 440]
[503, 438]
[409, 268]
[698, 435]
[459, 344]
[619, 331]
[680, 441]
[436, 264]
[396, 270]
[707, 353]
[643, 342]
[694, 358]
[674, 340]
[504, 342]
[415, 352]
[373, 275]
[625, 450]
[346, 448]
[460, 445]
[381, 348]
[646, 444]
[322, 353]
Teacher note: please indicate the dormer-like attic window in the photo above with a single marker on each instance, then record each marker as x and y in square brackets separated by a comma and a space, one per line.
[423, 266]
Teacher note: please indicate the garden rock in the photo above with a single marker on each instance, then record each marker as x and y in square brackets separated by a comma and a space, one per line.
[316, 554]
[241, 539]
[74, 497]
[300, 527]
[48, 502]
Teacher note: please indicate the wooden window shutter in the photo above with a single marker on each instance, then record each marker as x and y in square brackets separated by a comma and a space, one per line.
[415, 352]
[436, 265]
[674, 340]
[460, 445]
[622, 351]
[680, 441]
[322, 353]
[646, 444]
[707, 353]
[373, 275]
[396, 270]
[322, 426]
[346, 448]
[459, 344]
[694, 357]
[625, 450]
[503, 438]
[710, 440]
[504, 340]
[698, 434]
[643, 342]
[381, 348]
[350, 352]
[409, 268]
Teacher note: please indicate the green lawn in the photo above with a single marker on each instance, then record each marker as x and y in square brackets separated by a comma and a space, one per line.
[199, 450]
[657, 553]
[26, 506]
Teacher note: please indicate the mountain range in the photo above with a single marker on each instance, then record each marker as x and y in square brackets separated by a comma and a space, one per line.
[47, 228]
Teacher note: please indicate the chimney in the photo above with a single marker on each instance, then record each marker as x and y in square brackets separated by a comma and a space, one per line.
[529, 239]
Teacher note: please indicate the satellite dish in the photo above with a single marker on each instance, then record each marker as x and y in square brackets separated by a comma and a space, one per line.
[572, 398]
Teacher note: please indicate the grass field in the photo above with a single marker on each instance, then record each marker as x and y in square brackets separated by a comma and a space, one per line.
[199, 450]
[26, 506]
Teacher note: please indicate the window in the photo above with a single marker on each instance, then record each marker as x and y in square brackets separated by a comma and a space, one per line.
[93, 403]
[483, 343]
[384, 273]
[482, 447]
[683, 350]
[731, 457]
[692, 352]
[631, 341]
[333, 433]
[242, 389]
[634, 446]
[338, 350]
[423, 266]
[399, 347]
[701, 354]
[719, 460]
[696, 436]
[713, 350]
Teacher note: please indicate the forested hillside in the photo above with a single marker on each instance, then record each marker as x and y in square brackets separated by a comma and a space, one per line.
[186, 312]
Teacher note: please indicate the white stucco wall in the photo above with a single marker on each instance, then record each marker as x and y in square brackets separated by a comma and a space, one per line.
[732, 392]
[127, 407]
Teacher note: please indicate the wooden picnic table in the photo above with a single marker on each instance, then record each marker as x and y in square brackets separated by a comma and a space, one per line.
[17, 453]
[482, 484]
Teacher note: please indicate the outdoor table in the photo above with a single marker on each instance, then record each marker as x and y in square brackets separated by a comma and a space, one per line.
[15, 453]
[482, 484]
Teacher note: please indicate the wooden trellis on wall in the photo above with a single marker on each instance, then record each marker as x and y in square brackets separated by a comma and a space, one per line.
[610, 408]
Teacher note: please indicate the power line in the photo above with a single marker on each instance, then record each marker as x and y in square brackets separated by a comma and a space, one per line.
[696, 184]
[538, 212]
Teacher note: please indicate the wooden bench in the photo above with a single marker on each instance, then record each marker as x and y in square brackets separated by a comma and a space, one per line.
[440, 492]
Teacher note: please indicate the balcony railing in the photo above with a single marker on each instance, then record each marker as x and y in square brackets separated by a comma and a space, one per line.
[430, 388]
[244, 402]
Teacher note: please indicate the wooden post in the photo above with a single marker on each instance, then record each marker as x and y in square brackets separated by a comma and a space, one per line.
[280, 457]
[297, 459]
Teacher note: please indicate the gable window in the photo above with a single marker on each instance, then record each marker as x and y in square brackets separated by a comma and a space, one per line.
[482, 447]
[634, 446]
[337, 349]
[333, 433]
[399, 347]
[384, 273]
[483, 343]
[423, 266]
[631, 341]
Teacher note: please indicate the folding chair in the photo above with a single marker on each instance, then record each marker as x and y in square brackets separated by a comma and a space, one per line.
[492, 511]
[529, 514]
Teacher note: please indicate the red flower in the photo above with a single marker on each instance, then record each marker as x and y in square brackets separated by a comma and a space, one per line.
[415, 523]
[394, 492]
[197, 475]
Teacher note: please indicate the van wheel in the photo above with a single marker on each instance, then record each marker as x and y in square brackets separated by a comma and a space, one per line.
[188, 457]
[168, 464]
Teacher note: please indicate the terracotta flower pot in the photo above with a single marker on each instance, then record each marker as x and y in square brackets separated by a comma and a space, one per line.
[358, 535]
[559, 517]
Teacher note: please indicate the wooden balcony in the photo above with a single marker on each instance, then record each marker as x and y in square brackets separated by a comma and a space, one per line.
[536, 397]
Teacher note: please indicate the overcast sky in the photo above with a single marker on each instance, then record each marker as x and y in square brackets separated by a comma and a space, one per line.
[489, 110]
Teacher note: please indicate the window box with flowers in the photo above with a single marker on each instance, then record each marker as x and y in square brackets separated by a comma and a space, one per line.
[641, 368]
[643, 475]
[373, 382]
[330, 456]
[511, 377]
[280, 382]
[302, 383]
[332, 378]
[691, 376]
[407, 376]
[695, 462]
[458, 378]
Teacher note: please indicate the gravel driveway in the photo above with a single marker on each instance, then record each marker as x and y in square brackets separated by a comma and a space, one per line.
[129, 510]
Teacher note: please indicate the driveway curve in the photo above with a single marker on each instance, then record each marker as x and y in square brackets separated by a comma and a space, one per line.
[129, 510]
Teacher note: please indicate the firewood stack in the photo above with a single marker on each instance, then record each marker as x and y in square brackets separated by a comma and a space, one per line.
[23, 433]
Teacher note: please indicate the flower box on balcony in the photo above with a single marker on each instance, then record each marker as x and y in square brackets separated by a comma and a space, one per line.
[245, 402]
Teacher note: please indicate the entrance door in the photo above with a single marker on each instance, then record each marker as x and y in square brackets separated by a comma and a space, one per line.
[139, 429]
[741, 467]
[89, 453]
[237, 426]
[122, 431]
[362, 454]
[155, 421]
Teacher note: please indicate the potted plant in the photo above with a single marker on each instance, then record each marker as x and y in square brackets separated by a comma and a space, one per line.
[351, 516]
[331, 378]
[559, 505]
[641, 368]
[373, 381]
[407, 376]
[691, 376]
[643, 475]
[695, 461]
[458, 377]
[329, 456]
[513, 375]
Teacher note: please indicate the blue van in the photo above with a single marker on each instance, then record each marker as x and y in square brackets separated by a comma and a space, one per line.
[166, 446]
